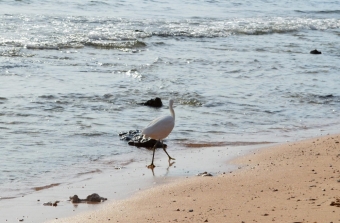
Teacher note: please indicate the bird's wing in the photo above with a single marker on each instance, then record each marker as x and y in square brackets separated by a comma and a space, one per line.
[155, 121]
[165, 123]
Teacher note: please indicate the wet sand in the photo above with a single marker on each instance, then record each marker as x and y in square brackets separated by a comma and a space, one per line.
[118, 182]
[292, 182]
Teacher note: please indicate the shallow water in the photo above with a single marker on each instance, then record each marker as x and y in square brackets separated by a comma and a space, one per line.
[240, 72]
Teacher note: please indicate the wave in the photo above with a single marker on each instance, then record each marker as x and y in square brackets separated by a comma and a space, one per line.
[2, 101]
[316, 99]
[116, 45]
[319, 12]
[248, 26]
[222, 144]
[14, 52]
[96, 44]
[57, 33]
[91, 134]
[46, 187]
[89, 172]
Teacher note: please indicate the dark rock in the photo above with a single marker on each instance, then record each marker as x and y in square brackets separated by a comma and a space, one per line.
[139, 141]
[75, 199]
[91, 198]
[135, 138]
[157, 102]
[315, 52]
[95, 198]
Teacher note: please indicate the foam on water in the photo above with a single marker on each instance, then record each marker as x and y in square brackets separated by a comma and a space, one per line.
[33, 32]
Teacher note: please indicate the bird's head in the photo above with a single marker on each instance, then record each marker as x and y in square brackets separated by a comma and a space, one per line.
[171, 103]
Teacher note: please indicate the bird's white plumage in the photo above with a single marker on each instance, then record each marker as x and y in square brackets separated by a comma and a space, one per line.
[161, 127]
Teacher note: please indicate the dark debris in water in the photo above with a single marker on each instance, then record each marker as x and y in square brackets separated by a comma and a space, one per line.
[135, 138]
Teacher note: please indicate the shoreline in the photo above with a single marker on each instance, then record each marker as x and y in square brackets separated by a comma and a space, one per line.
[118, 183]
[290, 182]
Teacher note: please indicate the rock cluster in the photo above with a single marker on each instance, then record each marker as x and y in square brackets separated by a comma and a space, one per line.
[91, 198]
[135, 138]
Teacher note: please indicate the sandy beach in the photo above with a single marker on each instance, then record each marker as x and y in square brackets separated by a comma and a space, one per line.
[292, 182]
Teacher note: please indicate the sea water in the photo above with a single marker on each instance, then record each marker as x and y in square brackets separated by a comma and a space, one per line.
[73, 74]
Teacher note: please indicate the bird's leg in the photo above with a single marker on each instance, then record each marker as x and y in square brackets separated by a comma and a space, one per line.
[170, 158]
[151, 166]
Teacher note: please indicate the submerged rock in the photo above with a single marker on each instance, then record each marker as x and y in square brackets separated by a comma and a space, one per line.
[315, 52]
[54, 204]
[135, 138]
[91, 198]
[129, 135]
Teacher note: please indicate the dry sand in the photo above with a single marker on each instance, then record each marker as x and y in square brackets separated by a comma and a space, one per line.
[294, 182]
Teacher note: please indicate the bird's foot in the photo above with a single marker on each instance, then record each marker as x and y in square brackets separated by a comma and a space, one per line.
[151, 166]
[170, 158]
[171, 163]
